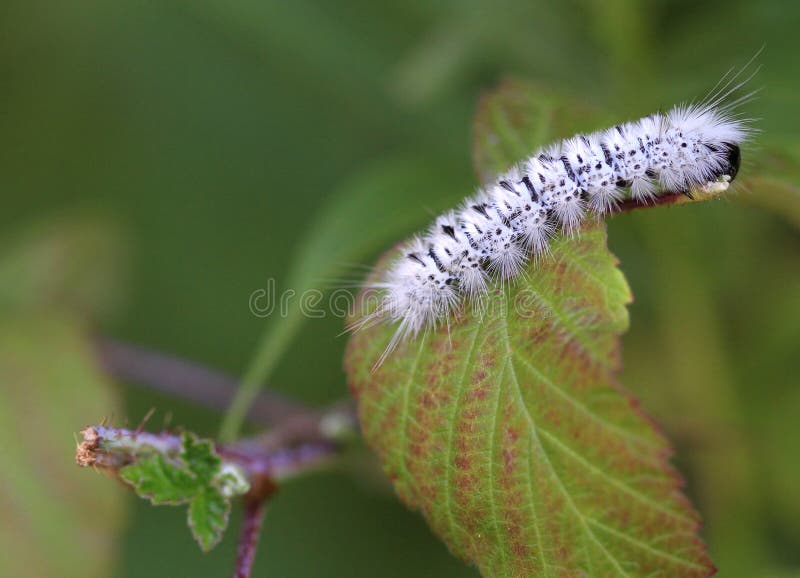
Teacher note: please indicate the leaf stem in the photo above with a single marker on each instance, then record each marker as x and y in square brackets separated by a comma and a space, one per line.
[264, 465]
[248, 540]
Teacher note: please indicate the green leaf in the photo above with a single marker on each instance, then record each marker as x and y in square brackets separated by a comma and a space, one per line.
[162, 482]
[173, 480]
[208, 517]
[195, 476]
[201, 458]
[55, 520]
[509, 430]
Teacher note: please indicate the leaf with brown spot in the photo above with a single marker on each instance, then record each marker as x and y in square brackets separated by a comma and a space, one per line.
[509, 431]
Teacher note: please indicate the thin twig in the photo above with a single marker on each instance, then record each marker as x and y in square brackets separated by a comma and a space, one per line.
[111, 448]
[300, 438]
[248, 540]
[187, 380]
[338, 421]
[297, 434]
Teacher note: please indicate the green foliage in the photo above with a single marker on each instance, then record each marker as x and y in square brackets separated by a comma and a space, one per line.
[161, 481]
[508, 428]
[55, 520]
[47, 504]
[208, 517]
[217, 132]
[194, 476]
[200, 458]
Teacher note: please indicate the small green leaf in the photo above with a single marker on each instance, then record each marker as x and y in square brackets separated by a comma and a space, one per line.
[508, 428]
[160, 481]
[201, 459]
[196, 476]
[208, 517]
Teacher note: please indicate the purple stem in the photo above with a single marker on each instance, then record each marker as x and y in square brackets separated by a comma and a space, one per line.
[279, 463]
[187, 380]
[251, 525]
[112, 448]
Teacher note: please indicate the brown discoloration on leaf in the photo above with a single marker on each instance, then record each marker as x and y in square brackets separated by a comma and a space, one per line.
[511, 434]
[542, 439]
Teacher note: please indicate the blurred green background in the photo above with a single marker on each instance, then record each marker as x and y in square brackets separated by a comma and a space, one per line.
[206, 136]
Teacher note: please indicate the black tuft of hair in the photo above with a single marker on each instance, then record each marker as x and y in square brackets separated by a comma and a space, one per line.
[733, 159]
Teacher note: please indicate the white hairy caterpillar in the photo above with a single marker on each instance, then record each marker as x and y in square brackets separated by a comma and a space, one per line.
[512, 219]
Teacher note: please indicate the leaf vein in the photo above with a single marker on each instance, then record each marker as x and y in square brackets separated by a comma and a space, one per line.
[644, 545]
[553, 472]
[492, 453]
[456, 406]
[403, 445]
[583, 408]
[616, 482]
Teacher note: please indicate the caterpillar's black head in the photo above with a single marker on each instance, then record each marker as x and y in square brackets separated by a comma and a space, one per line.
[733, 159]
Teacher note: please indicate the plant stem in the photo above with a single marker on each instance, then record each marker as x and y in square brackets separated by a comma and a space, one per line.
[272, 345]
[180, 378]
[248, 540]
[112, 448]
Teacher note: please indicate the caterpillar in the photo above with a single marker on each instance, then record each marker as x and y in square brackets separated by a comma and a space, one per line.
[494, 233]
